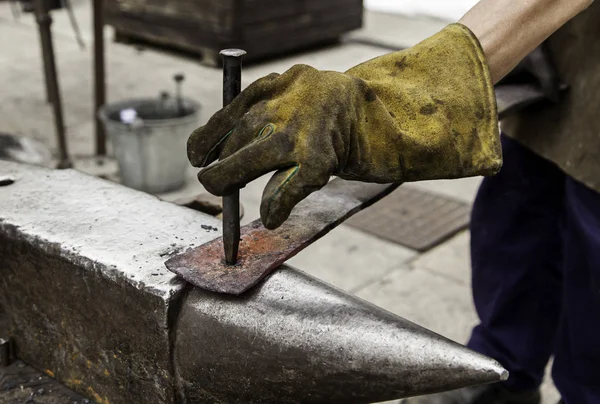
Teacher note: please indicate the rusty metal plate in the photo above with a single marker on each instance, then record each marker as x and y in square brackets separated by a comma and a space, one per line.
[262, 250]
[413, 218]
[21, 384]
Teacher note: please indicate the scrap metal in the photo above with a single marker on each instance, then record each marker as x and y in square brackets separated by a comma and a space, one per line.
[262, 250]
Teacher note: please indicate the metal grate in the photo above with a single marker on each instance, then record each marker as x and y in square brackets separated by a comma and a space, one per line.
[413, 218]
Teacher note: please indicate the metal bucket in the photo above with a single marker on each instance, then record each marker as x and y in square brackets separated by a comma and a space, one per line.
[151, 152]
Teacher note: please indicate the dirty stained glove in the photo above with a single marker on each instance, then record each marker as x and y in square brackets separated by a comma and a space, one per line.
[428, 112]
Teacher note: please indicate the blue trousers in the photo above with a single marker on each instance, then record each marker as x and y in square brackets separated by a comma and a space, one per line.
[535, 252]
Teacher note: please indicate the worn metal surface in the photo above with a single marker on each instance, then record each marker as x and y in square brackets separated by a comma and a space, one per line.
[22, 384]
[83, 288]
[262, 251]
[85, 296]
[232, 86]
[294, 339]
[414, 218]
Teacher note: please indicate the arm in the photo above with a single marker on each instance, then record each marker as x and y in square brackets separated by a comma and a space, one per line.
[509, 30]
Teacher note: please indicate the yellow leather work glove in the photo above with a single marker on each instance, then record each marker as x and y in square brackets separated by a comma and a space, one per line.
[428, 112]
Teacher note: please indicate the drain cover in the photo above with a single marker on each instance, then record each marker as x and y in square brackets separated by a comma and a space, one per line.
[413, 218]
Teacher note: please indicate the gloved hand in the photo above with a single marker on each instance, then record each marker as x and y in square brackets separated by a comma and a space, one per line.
[537, 67]
[424, 113]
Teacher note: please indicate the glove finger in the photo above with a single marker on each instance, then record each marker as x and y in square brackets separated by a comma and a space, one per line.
[266, 154]
[250, 128]
[206, 143]
[285, 190]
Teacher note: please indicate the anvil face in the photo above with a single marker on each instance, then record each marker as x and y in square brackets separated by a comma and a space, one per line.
[85, 296]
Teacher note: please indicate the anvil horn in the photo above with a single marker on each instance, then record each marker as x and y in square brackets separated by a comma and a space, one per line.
[295, 339]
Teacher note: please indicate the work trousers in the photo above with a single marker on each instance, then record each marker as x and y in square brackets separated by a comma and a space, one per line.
[535, 252]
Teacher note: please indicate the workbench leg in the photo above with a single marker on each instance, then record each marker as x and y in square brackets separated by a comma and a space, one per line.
[99, 75]
[47, 74]
[44, 22]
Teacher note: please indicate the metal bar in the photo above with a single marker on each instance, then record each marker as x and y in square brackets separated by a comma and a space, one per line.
[69, 6]
[44, 21]
[262, 250]
[232, 85]
[99, 75]
[46, 64]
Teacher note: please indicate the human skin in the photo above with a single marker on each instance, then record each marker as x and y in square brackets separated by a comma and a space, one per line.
[509, 30]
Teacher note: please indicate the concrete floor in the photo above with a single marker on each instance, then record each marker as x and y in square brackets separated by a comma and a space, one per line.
[432, 289]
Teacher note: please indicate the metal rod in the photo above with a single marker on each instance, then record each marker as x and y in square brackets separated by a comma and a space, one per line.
[232, 85]
[45, 56]
[178, 80]
[99, 75]
[67, 4]
[44, 21]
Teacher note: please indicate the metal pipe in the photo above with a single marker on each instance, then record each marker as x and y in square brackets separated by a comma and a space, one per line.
[45, 64]
[99, 75]
[44, 22]
[69, 7]
[232, 85]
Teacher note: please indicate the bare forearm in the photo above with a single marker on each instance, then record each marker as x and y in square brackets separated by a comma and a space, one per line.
[509, 29]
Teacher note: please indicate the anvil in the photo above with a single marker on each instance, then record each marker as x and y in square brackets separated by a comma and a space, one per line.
[85, 297]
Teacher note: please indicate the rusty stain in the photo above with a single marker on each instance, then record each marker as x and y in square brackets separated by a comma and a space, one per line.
[261, 251]
[72, 383]
[97, 398]
[256, 259]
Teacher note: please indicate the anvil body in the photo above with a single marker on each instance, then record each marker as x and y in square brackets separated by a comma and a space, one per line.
[85, 296]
